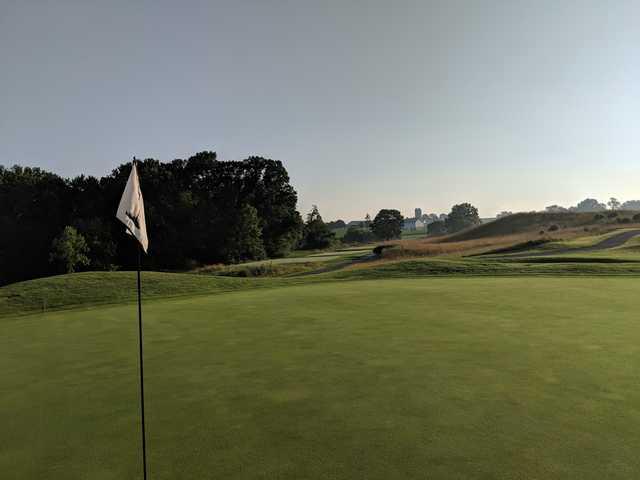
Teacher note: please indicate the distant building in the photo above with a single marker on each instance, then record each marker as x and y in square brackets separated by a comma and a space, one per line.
[412, 224]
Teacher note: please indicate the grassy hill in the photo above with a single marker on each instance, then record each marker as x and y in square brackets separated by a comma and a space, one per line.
[535, 222]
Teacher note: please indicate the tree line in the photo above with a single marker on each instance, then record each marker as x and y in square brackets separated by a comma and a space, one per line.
[199, 211]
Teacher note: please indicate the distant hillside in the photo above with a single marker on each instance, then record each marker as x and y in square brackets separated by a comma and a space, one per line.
[533, 222]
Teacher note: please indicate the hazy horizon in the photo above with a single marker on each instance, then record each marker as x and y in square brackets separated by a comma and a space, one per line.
[369, 105]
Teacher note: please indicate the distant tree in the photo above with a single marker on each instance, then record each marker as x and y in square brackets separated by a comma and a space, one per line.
[555, 209]
[336, 224]
[367, 221]
[436, 228]
[631, 205]
[358, 235]
[504, 214]
[316, 232]
[589, 205]
[462, 216]
[69, 250]
[613, 203]
[387, 224]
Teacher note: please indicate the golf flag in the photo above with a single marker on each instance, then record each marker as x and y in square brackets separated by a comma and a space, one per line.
[131, 209]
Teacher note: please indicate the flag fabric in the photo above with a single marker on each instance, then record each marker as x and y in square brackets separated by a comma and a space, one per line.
[131, 209]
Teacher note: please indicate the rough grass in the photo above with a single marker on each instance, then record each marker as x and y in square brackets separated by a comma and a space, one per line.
[452, 378]
[533, 222]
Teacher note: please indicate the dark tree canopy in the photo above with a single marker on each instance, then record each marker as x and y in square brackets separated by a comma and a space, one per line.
[387, 224]
[316, 233]
[462, 216]
[199, 210]
[436, 228]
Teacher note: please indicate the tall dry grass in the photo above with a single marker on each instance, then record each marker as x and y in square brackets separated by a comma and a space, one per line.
[444, 246]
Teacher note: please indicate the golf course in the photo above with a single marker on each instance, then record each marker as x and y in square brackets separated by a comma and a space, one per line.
[426, 376]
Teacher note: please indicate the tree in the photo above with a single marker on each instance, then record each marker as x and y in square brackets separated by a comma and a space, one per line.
[367, 221]
[336, 224]
[589, 205]
[358, 235]
[631, 205]
[193, 208]
[462, 216]
[503, 214]
[246, 239]
[613, 203]
[316, 233]
[387, 224]
[436, 228]
[69, 250]
[555, 209]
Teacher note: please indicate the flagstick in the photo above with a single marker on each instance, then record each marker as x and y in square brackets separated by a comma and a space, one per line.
[144, 443]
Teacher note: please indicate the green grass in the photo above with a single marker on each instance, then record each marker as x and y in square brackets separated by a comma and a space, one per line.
[439, 378]
[97, 288]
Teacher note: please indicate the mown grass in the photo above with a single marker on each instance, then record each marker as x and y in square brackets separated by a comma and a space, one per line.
[99, 288]
[439, 378]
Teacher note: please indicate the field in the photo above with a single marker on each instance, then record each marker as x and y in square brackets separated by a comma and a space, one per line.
[485, 377]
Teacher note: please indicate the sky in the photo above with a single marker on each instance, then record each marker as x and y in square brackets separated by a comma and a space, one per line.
[508, 105]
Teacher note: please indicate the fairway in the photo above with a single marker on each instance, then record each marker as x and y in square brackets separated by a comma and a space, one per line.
[438, 378]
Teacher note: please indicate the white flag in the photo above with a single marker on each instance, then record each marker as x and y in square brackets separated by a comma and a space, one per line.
[131, 209]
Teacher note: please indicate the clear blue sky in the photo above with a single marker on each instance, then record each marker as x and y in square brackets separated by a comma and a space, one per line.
[370, 104]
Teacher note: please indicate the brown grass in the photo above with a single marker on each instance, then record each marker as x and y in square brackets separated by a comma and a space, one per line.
[445, 246]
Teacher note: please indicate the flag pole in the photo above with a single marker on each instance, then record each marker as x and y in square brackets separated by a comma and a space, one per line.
[144, 441]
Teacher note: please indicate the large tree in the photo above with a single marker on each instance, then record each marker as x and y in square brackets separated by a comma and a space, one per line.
[387, 224]
[200, 210]
[462, 216]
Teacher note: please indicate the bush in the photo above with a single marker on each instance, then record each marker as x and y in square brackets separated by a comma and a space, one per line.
[612, 214]
[636, 217]
[598, 216]
[624, 220]
[553, 228]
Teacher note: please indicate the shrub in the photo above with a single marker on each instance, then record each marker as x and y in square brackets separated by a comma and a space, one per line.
[636, 217]
[598, 216]
[624, 220]
[553, 228]
[612, 214]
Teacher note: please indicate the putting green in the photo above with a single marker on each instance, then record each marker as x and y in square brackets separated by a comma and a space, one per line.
[439, 378]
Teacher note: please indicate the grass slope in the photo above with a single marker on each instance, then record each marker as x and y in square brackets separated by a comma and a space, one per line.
[533, 222]
[100, 288]
[96, 288]
[439, 378]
